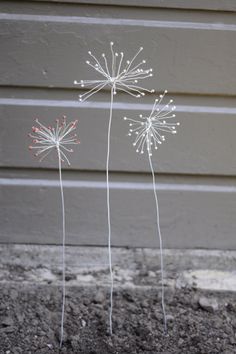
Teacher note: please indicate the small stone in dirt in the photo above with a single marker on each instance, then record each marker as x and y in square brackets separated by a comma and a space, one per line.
[151, 274]
[99, 297]
[7, 321]
[83, 322]
[232, 340]
[75, 309]
[20, 317]
[180, 342]
[182, 311]
[50, 346]
[145, 304]
[143, 273]
[70, 277]
[128, 297]
[98, 313]
[230, 307]
[210, 305]
[182, 334]
[86, 302]
[169, 318]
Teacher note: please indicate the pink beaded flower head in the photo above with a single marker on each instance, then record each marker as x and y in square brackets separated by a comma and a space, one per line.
[48, 138]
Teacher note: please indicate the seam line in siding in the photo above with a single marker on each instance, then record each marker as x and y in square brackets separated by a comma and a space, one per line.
[105, 105]
[27, 182]
[119, 22]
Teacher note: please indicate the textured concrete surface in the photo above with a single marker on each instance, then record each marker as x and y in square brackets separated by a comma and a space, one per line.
[203, 269]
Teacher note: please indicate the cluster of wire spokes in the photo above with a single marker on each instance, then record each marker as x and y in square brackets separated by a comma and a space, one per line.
[48, 138]
[150, 131]
[121, 75]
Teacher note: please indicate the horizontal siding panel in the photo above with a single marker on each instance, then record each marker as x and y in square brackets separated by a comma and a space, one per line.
[216, 5]
[205, 143]
[192, 55]
[192, 216]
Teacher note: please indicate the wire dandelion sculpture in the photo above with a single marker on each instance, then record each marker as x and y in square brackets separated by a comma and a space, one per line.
[149, 133]
[123, 76]
[47, 139]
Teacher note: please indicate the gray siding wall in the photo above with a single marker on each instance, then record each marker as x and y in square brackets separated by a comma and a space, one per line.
[191, 46]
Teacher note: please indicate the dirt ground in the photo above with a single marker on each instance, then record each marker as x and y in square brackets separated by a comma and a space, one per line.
[30, 321]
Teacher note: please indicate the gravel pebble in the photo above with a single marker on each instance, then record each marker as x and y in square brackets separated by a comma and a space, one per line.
[208, 304]
[6, 321]
[99, 297]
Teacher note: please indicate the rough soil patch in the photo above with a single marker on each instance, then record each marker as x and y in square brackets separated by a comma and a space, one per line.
[30, 320]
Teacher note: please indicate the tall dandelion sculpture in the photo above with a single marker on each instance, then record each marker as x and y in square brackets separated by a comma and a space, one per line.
[149, 133]
[123, 76]
[45, 140]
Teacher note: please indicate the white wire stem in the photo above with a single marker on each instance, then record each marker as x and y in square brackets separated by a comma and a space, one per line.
[63, 249]
[160, 243]
[108, 210]
[46, 140]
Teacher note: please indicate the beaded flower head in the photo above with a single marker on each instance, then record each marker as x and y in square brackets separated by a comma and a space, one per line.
[121, 75]
[149, 131]
[49, 138]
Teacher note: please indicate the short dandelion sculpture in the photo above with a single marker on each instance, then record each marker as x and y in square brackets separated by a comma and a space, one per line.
[59, 138]
[149, 133]
[122, 76]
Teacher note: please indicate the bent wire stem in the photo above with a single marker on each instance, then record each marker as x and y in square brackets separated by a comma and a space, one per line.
[63, 248]
[109, 211]
[148, 132]
[47, 139]
[160, 244]
[122, 76]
